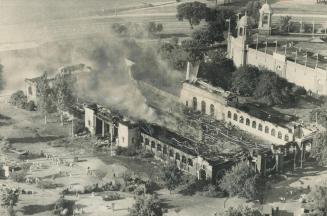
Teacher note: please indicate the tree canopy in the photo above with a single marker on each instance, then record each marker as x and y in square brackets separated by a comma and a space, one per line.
[194, 12]
[317, 200]
[64, 84]
[243, 181]
[319, 148]
[245, 80]
[273, 90]
[171, 175]
[241, 211]
[252, 9]
[147, 205]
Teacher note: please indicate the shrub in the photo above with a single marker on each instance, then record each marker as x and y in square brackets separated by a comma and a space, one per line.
[18, 99]
[111, 196]
[30, 106]
[125, 151]
[18, 176]
[62, 205]
[151, 187]
[79, 126]
[48, 185]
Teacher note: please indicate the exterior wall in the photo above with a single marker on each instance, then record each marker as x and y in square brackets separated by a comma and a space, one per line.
[223, 112]
[281, 136]
[194, 165]
[127, 137]
[189, 92]
[90, 122]
[313, 79]
[30, 91]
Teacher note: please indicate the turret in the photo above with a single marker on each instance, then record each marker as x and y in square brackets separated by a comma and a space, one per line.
[266, 13]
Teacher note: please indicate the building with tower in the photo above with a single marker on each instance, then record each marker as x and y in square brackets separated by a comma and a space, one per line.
[265, 19]
[259, 47]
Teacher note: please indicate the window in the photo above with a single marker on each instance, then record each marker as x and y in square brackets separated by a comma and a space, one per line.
[123, 138]
[141, 139]
[235, 117]
[254, 124]
[265, 20]
[146, 141]
[177, 156]
[89, 122]
[280, 135]
[266, 129]
[273, 132]
[158, 147]
[247, 122]
[229, 114]
[286, 138]
[153, 145]
[190, 162]
[260, 127]
[195, 104]
[241, 119]
[203, 107]
[241, 31]
[183, 159]
[30, 91]
[165, 149]
[212, 110]
[171, 153]
[186, 103]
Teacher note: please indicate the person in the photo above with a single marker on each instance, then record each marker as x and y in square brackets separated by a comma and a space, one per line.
[88, 170]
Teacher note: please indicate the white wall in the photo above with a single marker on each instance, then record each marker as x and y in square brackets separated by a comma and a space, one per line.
[90, 120]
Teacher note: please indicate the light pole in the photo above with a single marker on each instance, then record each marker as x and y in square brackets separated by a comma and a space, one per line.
[228, 20]
[276, 42]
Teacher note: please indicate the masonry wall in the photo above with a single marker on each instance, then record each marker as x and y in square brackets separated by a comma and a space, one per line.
[127, 137]
[90, 120]
[264, 129]
[194, 165]
[313, 79]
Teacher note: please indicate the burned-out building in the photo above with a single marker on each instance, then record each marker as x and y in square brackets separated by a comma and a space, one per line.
[102, 122]
[222, 106]
[186, 154]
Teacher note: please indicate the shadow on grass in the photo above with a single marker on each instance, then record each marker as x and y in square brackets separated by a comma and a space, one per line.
[165, 203]
[3, 117]
[35, 209]
[34, 139]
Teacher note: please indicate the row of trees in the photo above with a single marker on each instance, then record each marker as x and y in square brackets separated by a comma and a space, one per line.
[264, 85]
[137, 30]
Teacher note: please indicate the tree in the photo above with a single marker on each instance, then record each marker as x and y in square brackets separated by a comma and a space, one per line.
[194, 12]
[284, 23]
[317, 200]
[194, 50]
[319, 115]
[171, 175]
[174, 54]
[245, 80]
[319, 148]
[18, 99]
[9, 199]
[241, 211]
[64, 91]
[154, 28]
[273, 90]
[218, 72]
[243, 181]
[146, 205]
[46, 96]
[217, 17]
[2, 81]
[252, 9]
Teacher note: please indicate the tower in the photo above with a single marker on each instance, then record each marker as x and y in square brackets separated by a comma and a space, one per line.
[266, 13]
[241, 41]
